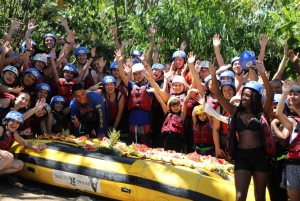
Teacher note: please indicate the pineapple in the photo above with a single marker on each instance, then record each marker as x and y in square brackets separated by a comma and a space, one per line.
[113, 135]
[108, 148]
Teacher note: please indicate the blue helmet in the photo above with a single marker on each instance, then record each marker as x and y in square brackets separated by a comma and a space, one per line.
[108, 79]
[228, 83]
[43, 86]
[70, 67]
[50, 35]
[23, 46]
[234, 59]
[254, 86]
[247, 59]
[136, 60]
[136, 53]
[227, 73]
[277, 99]
[114, 65]
[179, 53]
[158, 66]
[34, 72]
[15, 115]
[57, 99]
[15, 54]
[206, 80]
[81, 50]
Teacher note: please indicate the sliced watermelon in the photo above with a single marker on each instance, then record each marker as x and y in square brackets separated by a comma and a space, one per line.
[47, 135]
[90, 148]
[218, 161]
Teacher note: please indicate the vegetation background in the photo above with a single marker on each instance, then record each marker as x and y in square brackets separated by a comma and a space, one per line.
[238, 22]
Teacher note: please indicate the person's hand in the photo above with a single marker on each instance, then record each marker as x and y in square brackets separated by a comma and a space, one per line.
[212, 68]
[27, 131]
[66, 50]
[224, 68]
[21, 56]
[141, 58]
[70, 37]
[153, 30]
[263, 41]
[93, 132]
[243, 79]
[183, 45]
[161, 41]
[6, 47]
[15, 25]
[275, 122]
[287, 86]
[40, 103]
[93, 52]
[52, 53]
[96, 86]
[200, 99]
[28, 44]
[17, 89]
[127, 68]
[76, 121]
[216, 40]
[101, 63]
[220, 153]
[293, 58]
[286, 49]
[191, 58]
[118, 56]
[259, 66]
[6, 155]
[198, 66]
[31, 24]
[61, 40]
[63, 21]
[127, 42]
[146, 74]
[113, 30]
[40, 147]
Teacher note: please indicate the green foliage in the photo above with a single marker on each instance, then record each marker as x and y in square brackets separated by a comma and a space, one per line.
[239, 24]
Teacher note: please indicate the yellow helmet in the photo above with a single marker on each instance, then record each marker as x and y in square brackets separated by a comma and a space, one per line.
[170, 99]
[199, 109]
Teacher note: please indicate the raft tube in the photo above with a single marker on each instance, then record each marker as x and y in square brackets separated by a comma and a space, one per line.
[69, 166]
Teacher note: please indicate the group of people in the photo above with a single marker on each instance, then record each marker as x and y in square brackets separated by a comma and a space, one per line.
[186, 105]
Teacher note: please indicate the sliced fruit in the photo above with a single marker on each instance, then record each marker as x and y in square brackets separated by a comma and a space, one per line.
[90, 148]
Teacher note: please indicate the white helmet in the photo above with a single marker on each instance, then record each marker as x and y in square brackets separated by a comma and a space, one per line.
[11, 68]
[137, 67]
[180, 79]
[40, 57]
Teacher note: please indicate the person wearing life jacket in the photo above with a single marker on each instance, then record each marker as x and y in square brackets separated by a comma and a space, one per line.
[90, 77]
[56, 120]
[88, 112]
[114, 100]
[248, 136]
[209, 94]
[139, 103]
[65, 84]
[8, 135]
[291, 178]
[203, 139]
[220, 131]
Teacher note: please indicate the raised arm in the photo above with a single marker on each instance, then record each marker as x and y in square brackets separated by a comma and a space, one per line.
[190, 61]
[156, 53]
[27, 53]
[64, 23]
[31, 26]
[115, 35]
[295, 60]
[151, 45]
[217, 43]
[263, 44]
[280, 71]
[5, 49]
[86, 66]
[119, 59]
[38, 106]
[53, 66]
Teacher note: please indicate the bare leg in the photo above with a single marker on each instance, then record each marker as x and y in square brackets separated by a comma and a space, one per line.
[4, 163]
[15, 166]
[242, 181]
[260, 183]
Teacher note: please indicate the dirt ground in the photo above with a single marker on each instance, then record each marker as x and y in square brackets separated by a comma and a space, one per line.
[21, 189]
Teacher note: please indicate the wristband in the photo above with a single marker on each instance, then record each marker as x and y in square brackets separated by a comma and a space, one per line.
[67, 42]
[28, 50]
[93, 57]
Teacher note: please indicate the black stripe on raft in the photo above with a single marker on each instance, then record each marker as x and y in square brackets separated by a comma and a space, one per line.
[117, 177]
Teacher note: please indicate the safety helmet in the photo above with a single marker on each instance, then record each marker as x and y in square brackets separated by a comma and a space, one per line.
[70, 67]
[234, 59]
[108, 79]
[208, 78]
[277, 99]
[170, 99]
[180, 79]
[15, 115]
[254, 86]
[35, 72]
[247, 59]
[23, 46]
[81, 50]
[228, 83]
[234, 98]
[158, 66]
[136, 60]
[136, 53]
[43, 86]
[137, 67]
[11, 68]
[50, 35]
[40, 57]
[57, 99]
[199, 109]
[179, 53]
[204, 64]
[114, 65]
[227, 73]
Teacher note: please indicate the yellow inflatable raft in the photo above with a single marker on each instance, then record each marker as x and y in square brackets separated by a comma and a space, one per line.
[122, 178]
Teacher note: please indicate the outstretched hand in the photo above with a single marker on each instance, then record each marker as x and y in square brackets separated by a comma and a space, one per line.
[212, 68]
[200, 99]
[263, 41]
[287, 86]
[191, 58]
[118, 55]
[216, 40]
[31, 24]
[293, 57]
[40, 103]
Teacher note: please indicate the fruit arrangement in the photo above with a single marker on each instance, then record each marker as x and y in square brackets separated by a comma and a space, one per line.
[111, 146]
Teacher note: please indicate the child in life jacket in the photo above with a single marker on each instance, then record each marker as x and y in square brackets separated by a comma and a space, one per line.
[203, 138]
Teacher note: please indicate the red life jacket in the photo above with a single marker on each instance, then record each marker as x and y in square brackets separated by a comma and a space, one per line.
[203, 134]
[139, 99]
[173, 124]
[190, 106]
[294, 149]
[267, 137]
[113, 106]
[120, 87]
[6, 140]
[65, 89]
[223, 126]
[88, 80]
